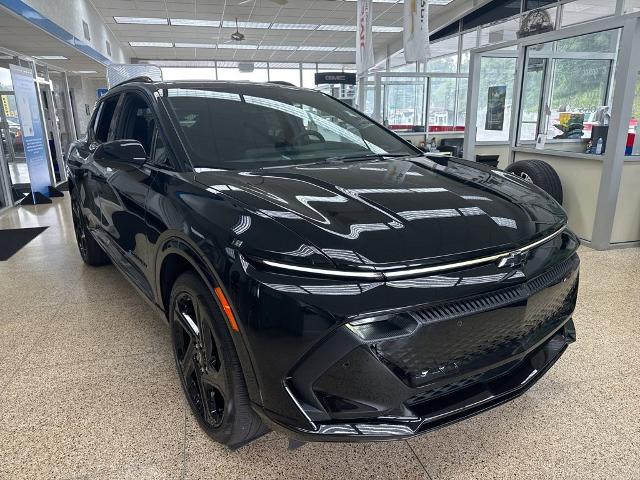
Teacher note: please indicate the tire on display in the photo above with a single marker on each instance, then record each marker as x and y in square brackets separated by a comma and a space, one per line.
[90, 250]
[540, 174]
[208, 364]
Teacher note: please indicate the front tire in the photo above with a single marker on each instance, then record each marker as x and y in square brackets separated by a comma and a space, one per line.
[208, 365]
[90, 251]
[540, 174]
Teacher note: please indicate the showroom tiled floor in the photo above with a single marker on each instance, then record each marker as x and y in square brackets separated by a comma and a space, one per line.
[88, 388]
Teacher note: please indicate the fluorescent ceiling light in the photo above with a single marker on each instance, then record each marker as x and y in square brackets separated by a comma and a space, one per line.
[232, 24]
[152, 44]
[381, 29]
[241, 46]
[293, 26]
[338, 28]
[83, 72]
[188, 22]
[345, 49]
[195, 45]
[141, 20]
[278, 47]
[316, 48]
[50, 57]
[431, 2]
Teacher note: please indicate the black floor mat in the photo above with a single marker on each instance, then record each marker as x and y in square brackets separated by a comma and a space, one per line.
[13, 239]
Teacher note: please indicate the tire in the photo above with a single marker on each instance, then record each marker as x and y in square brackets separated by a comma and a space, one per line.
[90, 250]
[208, 365]
[540, 174]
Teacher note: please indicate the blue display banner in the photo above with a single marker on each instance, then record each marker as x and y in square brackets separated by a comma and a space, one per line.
[31, 125]
[101, 92]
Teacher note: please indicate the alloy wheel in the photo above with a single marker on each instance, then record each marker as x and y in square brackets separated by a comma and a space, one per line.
[198, 358]
[79, 230]
[526, 177]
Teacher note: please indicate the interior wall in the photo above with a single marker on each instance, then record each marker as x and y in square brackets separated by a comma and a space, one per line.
[626, 224]
[83, 91]
[501, 150]
[69, 15]
[580, 179]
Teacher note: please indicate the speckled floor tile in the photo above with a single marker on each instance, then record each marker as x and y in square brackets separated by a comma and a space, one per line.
[272, 460]
[555, 431]
[82, 332]
[92, 418]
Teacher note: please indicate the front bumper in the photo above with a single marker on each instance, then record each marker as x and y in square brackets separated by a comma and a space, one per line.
[443, 362]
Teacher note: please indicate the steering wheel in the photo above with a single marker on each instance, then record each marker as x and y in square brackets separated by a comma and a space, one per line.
[308, 134]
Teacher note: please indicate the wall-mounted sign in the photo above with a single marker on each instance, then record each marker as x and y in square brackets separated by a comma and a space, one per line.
[331, 78]
[31, 125]
[495, 107]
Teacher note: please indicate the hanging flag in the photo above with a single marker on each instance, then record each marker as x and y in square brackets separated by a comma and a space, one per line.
[364, 46]
[416, 30]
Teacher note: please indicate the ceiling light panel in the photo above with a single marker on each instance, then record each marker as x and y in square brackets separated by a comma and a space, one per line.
[345, 49]
[84, 72]
[152, 44]
[337, 28]
[188, 22]
[195, 45]
[141, 20]
[278, 47]
[294, 26]
[239, 46]
[50, 57]
[381, 29]
[312, 48]
[232, 24]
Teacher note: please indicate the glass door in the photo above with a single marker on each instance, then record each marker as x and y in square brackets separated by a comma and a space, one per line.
[12, 142]
[492, 78]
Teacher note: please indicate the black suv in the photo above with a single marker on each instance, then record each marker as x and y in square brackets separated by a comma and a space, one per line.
[320, 275]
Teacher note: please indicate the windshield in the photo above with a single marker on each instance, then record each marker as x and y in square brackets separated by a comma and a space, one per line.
[252, 126]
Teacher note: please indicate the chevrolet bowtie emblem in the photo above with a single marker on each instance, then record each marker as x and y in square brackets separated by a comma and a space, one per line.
[514, 259]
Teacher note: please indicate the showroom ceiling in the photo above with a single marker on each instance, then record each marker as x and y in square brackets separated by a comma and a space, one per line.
[274, 30]
[19, 36]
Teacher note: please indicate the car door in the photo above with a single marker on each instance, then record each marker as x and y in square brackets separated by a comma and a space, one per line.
[88, 175]
[124, 190]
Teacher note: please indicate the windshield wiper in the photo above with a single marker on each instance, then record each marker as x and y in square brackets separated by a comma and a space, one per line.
[366, 156]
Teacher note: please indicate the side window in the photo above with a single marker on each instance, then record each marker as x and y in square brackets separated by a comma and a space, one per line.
[137, 122]
[103, 119]
[160, 152]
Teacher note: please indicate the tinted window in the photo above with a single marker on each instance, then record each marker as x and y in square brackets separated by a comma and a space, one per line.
[103, 119]
[243, 126]
[137, 121]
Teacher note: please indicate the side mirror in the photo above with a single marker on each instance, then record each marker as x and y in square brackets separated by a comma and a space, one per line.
[126, 151]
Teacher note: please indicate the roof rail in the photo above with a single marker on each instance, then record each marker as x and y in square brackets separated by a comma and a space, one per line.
[281, 82]
[141, 78]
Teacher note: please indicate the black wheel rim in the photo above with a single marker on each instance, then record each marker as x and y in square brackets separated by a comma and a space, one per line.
[78, 228]
[198, 359]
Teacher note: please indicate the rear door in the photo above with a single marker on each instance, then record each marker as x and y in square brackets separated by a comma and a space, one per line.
[124, 190]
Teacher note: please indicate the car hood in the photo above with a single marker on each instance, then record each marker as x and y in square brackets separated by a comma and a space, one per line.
[395, 212]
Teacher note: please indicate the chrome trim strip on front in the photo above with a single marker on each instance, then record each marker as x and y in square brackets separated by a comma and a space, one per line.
[397, 274]
[299, 405]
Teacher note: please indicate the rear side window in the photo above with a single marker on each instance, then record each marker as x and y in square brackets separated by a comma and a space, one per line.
[104, 117]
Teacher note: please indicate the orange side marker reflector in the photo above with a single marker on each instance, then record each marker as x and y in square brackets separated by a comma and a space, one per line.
[227, 308]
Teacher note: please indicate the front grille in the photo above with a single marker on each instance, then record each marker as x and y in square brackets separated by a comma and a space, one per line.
[473, 333]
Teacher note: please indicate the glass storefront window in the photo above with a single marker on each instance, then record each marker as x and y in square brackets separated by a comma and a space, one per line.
[231, 71]
[584, 10]
[444, 56]
[631, 6]
[633, 139]
[566, 89]
[469, 41]
[404, 103]
[495, 97]
[500, 32]
[461, 115]
[285, 73]
[309, 75]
